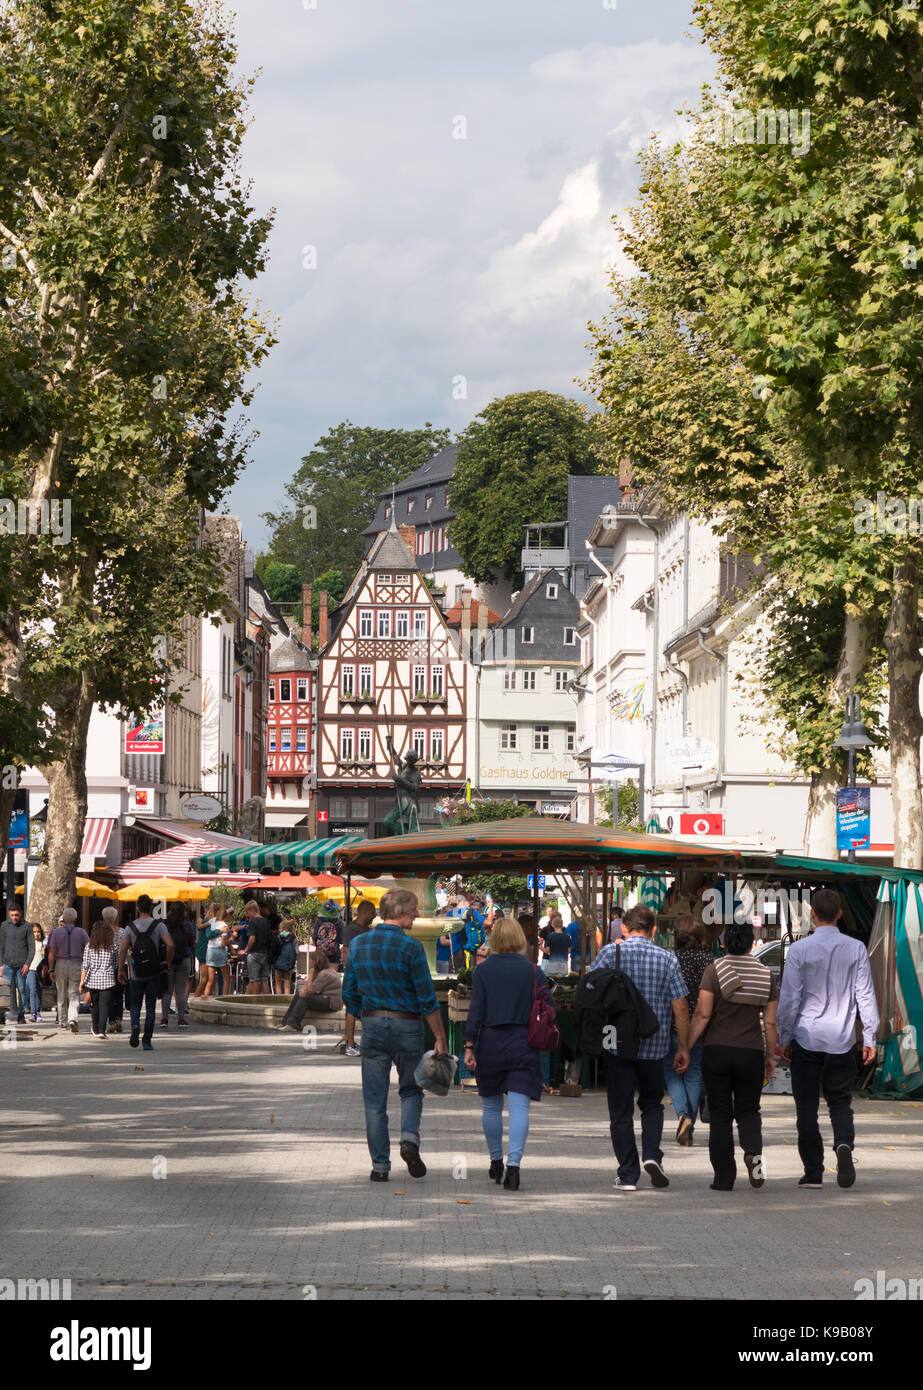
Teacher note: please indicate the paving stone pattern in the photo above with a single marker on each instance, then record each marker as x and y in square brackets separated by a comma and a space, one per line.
[266, 1192]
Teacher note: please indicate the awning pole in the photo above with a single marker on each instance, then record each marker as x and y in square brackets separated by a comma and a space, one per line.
[535, 910]
[348, 906]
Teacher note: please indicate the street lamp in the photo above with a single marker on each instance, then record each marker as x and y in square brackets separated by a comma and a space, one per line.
[853, 735]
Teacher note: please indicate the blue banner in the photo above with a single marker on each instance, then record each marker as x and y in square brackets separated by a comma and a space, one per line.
[853, 817]
[19, 830]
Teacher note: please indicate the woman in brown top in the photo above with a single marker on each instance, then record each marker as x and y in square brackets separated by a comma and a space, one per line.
[322, 994]
[735, 993]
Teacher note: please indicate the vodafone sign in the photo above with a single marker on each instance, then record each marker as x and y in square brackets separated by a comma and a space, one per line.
[701, 823]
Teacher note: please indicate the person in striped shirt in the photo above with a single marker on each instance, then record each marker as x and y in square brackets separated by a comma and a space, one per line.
[98, 975]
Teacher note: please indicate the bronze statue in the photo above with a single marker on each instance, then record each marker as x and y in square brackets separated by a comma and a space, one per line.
[404, 815]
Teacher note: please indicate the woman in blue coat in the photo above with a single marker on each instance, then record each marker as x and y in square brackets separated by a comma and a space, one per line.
[497, 1045]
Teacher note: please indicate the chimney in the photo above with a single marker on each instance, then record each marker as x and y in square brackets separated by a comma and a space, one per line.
[322, 620]
[625, 478]
[409, 537]
[307, 591]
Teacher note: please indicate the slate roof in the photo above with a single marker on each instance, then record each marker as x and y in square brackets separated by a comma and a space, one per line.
[290, 655]
[549, 576]
[391, 552]
[435, 474]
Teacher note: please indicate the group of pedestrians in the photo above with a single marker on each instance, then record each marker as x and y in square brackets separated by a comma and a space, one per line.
[714, 1022]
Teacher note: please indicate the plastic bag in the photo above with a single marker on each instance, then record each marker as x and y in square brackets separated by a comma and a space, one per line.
[435, 1074]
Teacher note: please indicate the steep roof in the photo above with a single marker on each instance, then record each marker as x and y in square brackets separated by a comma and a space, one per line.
[290, 655]
[586, 498]
[391, 552]
[534, 584]
[435, 473]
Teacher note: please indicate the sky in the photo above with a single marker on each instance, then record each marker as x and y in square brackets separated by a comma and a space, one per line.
[444, 175]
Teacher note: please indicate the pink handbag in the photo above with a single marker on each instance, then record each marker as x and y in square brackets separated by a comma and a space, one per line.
[543, 1031]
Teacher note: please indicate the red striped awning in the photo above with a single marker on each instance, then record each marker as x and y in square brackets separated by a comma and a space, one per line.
[174, 863]
[96, 834]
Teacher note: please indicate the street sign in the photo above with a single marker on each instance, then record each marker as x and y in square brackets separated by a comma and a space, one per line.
[853, 817]
[541, 882]
[701, 823]
[199, 807]
[555, 808]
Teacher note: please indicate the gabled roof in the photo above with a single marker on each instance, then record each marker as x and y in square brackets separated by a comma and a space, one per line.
[290, 655]
[454, 615]
[586, 498]
[524, 595]
[438, 469]
[435, 473]
[391, 552]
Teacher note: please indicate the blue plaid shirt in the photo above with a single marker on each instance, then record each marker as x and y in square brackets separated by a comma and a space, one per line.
[386, 969]
[656, 974]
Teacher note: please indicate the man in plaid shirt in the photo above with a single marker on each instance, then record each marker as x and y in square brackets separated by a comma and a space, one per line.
[657, 976]
[387, 983]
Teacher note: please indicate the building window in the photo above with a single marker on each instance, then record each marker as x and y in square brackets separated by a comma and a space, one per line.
[541, 738]
[551, 590]
[346, 745]
[445, 498]
[570, 637]
[365, 622]
[571, 730]
[365, 745]
[285, 692]
[509, 680]
[423, 540]
[247, 749]
[359, 808]
[285, 732]
[418, 742]
[346, 679]
[560, 680]
[384, 622]
[402, 579]
[272, 692]
[402, 623]
[366, 683]
[436, 745]
[272, 739]
[419, 622]
[436, 681]
[337, 808]
[387, 511]
[384, 581]
[301, 686]
[419, 682]
[528, 680]
[301, 739]
[410, 502]
[508, 736]
[528, 634]
[427, 502]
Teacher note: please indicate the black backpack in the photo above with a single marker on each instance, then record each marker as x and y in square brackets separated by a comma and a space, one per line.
[275, 947]
[180, 943]
[145, 957]
[611, 999]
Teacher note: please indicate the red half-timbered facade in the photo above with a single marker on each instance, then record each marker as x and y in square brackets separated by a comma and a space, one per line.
[289, 739]
[390, 669]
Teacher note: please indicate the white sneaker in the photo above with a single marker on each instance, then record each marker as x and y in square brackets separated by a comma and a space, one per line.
[353, 1052]
[620, 1186]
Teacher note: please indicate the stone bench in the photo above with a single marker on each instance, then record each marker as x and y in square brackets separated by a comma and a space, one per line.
[259, 1011]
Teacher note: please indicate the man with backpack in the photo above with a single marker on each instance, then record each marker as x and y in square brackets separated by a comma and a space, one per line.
[633, 1049]
[141, 941]
[66, 945]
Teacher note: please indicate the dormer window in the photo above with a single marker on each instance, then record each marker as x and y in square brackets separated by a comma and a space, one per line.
[387, 511]
[409, 505]
[427, 502]
[551, 591]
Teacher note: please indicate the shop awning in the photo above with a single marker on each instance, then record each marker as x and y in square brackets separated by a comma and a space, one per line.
[96, 834]
[517, 846]
[315, 856]
[842, 868]
[175, 863]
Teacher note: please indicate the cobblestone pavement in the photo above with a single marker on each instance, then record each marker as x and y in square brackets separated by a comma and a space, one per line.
[265, 1190]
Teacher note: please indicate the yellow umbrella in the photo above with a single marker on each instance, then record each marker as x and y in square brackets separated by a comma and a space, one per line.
[358, 892]
[170, 889]
[86, 888]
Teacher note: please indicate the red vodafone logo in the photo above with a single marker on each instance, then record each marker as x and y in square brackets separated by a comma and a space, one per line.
[702, 823]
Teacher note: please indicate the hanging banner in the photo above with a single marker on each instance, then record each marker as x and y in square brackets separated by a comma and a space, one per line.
[145, 736]
[853, 817]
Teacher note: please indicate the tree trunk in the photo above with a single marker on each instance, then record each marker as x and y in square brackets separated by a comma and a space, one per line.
[905, 726]
[53, 889]
[820, 824]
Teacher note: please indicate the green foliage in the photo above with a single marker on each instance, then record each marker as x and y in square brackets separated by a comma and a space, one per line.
[221, 824]
[503, 888]
[303, 912]
[334, 584]
[343, 478]
[223, 895]
[480, 811]
[282, 582]
[513, 463]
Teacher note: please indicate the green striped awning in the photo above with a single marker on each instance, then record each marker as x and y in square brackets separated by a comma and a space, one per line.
[313, 856]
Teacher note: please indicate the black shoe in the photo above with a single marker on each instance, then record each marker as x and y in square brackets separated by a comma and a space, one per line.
[703, 1111]
[809, 1181]
[375, 1176]
[182, 1023]
[135, 1035]
[656, 1174]
[411, 1156]
[751, 1160]
[845, 1168]
[495, 1172]
[21, 1018]
[511, 1181]
[716, 1188]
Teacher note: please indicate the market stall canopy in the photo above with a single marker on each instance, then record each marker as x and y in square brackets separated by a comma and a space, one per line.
[315, 856]
[517, 846]
[174, 863]
[172, 890]
[304, 883]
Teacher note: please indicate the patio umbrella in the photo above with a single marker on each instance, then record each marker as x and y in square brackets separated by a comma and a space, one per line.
[358, 891]
[170, 889]
[86, 888]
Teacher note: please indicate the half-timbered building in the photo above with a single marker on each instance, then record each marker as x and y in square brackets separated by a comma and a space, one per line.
[290, 740]
[389, 676]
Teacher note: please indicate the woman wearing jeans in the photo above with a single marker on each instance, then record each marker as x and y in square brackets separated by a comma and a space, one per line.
[98, 975]
[33, 988]
[686, 1088]
[497, 1045]
[735, 993]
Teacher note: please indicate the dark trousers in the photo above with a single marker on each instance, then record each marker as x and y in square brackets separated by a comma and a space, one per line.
[301, 1004]
[149, 992]
[835, 1073]
[116, 1002]
[99, 1009]
[733, 1079]
[622, 1077]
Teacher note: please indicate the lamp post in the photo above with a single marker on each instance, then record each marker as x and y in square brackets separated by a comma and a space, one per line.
[853, 736]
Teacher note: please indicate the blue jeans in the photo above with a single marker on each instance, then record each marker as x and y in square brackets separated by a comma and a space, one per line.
[686, 1090]
[149, 991]
[34, 992]
[492, 1119]
[17, 983]
[387, 1041]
